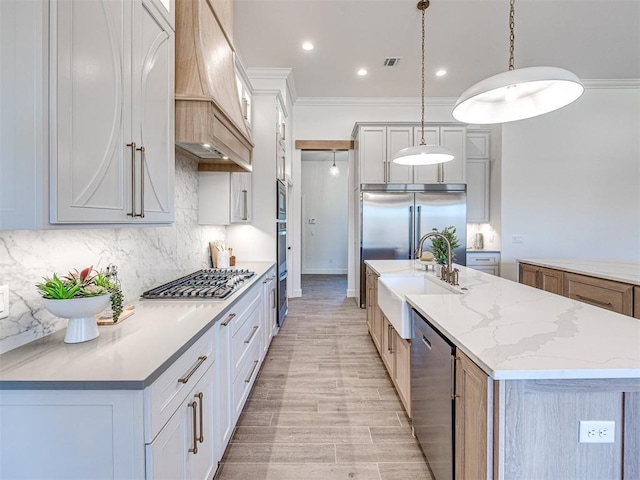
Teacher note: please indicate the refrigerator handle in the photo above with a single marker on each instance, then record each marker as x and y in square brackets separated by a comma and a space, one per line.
[418, 225]
[411, 233]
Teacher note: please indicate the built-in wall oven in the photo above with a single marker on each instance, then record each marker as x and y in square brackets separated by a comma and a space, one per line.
[281, 221]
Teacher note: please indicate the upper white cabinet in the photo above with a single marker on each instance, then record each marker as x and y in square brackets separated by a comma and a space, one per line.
[23, 113]
[281, 138]
[112, 132]
[224, 198]
[478, 176]
[377, 145]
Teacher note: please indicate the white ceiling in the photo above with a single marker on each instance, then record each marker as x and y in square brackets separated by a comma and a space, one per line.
[596, 39]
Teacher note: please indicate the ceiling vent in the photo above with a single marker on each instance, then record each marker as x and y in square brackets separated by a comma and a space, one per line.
[391, 61]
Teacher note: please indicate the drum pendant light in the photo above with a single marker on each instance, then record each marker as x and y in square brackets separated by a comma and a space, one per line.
[517, 93]
[423, 154]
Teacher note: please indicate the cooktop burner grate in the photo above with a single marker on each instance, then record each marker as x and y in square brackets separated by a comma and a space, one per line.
[209, 283]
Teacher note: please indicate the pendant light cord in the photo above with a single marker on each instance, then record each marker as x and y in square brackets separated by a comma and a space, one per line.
[511, 34]
[422, 6]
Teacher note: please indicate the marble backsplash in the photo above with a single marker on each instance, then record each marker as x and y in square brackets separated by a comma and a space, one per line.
[145, 257]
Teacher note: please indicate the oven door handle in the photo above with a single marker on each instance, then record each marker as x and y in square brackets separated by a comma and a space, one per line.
[282, 275]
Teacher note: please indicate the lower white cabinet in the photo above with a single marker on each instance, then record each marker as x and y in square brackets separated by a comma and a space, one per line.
[488, 262]
[186, 446]
[176, 428]
[270, 309]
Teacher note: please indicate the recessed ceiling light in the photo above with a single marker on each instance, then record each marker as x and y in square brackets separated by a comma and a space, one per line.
[441, 73]
[362, 72]
[307, 46]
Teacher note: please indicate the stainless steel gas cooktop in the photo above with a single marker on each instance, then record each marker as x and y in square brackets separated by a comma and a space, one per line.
[208, 283]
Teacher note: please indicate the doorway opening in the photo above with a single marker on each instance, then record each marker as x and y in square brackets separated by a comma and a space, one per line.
[325, 212]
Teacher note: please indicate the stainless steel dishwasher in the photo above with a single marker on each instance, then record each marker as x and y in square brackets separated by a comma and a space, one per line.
[432, 401]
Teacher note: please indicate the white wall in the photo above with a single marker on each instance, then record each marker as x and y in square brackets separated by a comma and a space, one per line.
[146, 257]
[325, 200]
[571, 181]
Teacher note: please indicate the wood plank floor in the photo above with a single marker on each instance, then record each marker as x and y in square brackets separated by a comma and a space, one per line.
[323, 406]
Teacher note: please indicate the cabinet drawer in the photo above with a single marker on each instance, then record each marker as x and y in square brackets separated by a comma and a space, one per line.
[636, 302]
[242, 306]
[246, 336]
[247, 373]
[166, 394]
[476, 259]
[614, 296]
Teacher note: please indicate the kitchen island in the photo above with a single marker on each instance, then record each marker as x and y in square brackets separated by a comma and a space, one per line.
[548, 363]
[157, 395]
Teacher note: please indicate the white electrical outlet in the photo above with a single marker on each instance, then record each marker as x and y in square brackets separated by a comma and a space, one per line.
[597, 432]
[517, 239]
[4, 301]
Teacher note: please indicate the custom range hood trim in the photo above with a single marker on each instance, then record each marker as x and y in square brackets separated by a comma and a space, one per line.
[210, 127]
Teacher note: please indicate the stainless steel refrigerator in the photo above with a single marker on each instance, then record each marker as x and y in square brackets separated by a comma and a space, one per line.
[394, 217]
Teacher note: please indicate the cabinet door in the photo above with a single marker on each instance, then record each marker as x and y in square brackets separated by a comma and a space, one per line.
[185, 448]
[528, 275]
[426, 173]
[225, 426]
[636, 302]
[91, 127]
[241, 200]
[478, 191]
[397, 139]
[551, 280]
[472, 449]
[402, 370]
[387, 344]
[454, 138]
[153, 115]
[373, 151]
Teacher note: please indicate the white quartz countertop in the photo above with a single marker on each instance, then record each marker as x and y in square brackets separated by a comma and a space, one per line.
[513, 331]
[128, 355]
[617, 270]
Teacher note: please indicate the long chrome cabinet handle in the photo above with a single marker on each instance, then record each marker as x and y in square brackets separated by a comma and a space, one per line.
[186, 378]
[142, 160]
[133, 179]
[593, 300]
[200, 396]
[194, 408]
[255, 365]
[229, 318]
[412, 247]
[273, 304]
[245, 214]
[253, 332]
[454, 359]
[389, 339]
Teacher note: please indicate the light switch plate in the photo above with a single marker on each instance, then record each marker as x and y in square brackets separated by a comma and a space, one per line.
[4, 301]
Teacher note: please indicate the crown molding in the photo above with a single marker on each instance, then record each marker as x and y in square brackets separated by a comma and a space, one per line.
[611, 83]
[268, 73]
[373, 101]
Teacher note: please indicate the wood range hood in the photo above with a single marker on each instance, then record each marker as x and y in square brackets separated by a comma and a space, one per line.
[210, 126]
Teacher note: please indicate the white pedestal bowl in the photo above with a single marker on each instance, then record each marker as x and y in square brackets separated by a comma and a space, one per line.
[82, 325]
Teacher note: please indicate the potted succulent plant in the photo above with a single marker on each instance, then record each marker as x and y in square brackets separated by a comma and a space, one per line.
[78, 296]
[439, 246]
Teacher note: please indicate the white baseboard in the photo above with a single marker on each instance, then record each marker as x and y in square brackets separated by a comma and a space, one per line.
[296, 293]
[325, 271]
[351, 292]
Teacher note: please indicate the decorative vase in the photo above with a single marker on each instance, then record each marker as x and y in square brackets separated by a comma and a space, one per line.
[82, 325]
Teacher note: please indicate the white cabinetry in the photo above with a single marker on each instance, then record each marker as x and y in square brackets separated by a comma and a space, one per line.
[478, 176]
[244, 95]
[488, 262]
[377, 145]
[281, 138]
[186, 446]
[270, 309]
[111, 90]
[224, 198]
[23, 97]
[238, 346]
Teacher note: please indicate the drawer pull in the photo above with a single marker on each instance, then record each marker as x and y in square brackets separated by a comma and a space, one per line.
[199, 396]
[194, 407]
[255, 365]
[253, 332]
[201, 360]
[229, 318]
[483, 259]
[597, 302]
